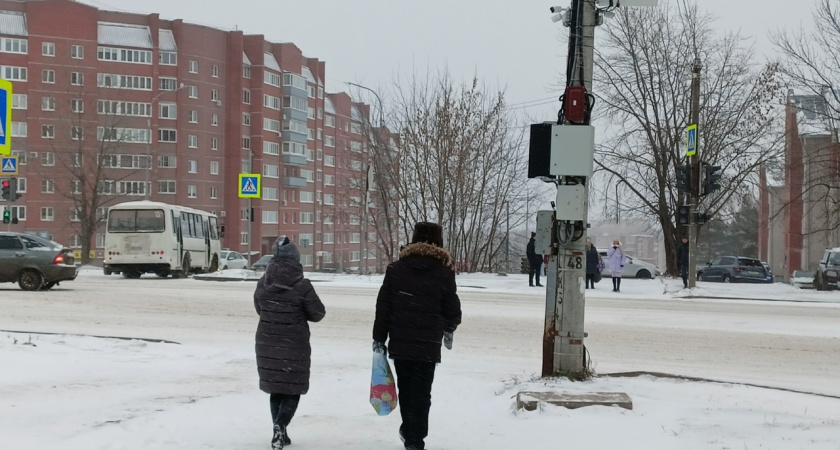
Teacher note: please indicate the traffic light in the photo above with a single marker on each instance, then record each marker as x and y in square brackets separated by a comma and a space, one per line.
[711, 180]
[684, 177]
[7, 190]
[684, 215]
[702, 218]
[7, 215]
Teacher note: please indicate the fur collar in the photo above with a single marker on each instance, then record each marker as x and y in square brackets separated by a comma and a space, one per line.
[424, 249]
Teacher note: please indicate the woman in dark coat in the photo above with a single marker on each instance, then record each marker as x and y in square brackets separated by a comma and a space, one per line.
[593, 260]
[417, 307]
[285, 301]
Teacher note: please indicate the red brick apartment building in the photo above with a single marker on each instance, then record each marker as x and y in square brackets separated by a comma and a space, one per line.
[798, 216]
[195, 105]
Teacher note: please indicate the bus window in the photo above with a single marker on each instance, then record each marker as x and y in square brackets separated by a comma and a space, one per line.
[198, 229]
[213, 228]
[150, 221]
[132, 221]
[185, 224]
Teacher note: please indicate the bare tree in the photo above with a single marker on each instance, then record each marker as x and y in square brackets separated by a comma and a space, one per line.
[644, 92]
[461, 164]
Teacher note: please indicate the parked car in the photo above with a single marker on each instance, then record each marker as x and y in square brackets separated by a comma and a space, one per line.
[769, 277]
[828, 271]
[802, 279]
[633, 268]
[733, 269]
[232, 260]
[261, 263]
[34, 262]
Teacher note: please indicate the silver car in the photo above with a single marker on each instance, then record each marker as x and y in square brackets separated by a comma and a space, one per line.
[232, 260]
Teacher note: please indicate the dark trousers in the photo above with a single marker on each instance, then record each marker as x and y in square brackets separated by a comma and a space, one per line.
[534, 272]
[414, 390]
[616, 283]
[590, 281]
[283, 408]
[684, 274]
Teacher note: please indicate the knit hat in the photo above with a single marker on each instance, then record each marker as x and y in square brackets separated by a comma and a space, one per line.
[428, 232]
[285, 249]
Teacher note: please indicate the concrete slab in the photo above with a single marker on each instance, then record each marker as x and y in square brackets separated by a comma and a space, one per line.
[530, 401]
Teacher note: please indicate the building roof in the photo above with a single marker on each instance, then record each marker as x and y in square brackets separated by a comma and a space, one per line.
[245, 59]
[329, 107]
[271, 63]
[308, 74]
[357, 115]
[166, 41]
[125, 35]
[13, 23]
[812, 115]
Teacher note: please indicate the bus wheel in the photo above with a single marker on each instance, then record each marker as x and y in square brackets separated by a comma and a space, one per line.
[214, 266]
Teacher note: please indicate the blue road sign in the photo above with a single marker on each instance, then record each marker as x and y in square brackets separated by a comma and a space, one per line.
[249, 185]
[8, 166]
[5, 117]
[691, 145]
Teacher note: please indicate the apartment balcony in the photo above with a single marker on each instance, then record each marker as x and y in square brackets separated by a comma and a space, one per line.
[294, 182]
[295, 160]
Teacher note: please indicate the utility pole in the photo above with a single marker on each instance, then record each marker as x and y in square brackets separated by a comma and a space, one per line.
[694, 163]
[563, 153]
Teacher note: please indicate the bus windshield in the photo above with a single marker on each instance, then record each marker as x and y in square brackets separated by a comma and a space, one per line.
[136, 221]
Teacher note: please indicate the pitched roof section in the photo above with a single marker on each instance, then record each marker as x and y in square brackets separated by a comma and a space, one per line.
[329, 107]
[308, 74]
[271, 63]
[245, 59]
[357, 115]
[166, 41]
[124, 35]
[13, 23]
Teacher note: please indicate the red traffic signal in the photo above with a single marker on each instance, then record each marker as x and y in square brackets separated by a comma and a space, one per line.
[7, 189]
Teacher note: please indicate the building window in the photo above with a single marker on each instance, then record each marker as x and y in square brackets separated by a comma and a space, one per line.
[192, 116]
[77, 52]
[48, 49]
[193, 92]
[271, 148]
[168, 58]
[243, 238]
[214, 167]
[20, 101]
[48, 76]
[193, 66]
[13, 73]
[166, 187]
[214, 143]
[47, 214]
[246, 96]
[214, 120]
[47, 186]
[214, 96]
[306, 217]
[168, 84]
[77, 78]
[124, 55]
[329, 160]
[77, 105]
[329, 121]
[310, 91]
[167, 135]
[192, 141]
[192, 191]
[214, 71]
[77, 133]
[214, 191]
[167, 161]
[168, 111]
[246, 71]
[246, 143]
[19, 130]
[47, 103]
[12, 45]
[271, 171]
[47, 159]
[246, 119]
[48, 131]
[193, 166]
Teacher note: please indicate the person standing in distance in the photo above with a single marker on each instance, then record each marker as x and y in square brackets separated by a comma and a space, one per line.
[286, 302]
[417, 307]
[593, 264]
[682, 260]
[534, 261]
[617, 259]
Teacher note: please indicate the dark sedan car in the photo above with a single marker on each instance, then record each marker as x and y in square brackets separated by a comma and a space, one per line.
[733, 269]
[261, 263]
[34, 262]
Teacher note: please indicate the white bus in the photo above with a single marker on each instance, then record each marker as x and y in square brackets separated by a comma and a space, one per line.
[154, 237]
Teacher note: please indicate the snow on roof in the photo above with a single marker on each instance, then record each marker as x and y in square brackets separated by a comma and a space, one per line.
[245, 59]
[13, 23]
[355, 114]
[271, 63]
[125, 35]
[329, 107]
[812, 114]
[166, 41]
[307, 74]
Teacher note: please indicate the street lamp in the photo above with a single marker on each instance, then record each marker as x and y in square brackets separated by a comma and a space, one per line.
[147, 188]
[368, 177]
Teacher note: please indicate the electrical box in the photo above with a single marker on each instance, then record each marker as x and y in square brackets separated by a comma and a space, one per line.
[572, 150]
[542, 245]
[570, 200]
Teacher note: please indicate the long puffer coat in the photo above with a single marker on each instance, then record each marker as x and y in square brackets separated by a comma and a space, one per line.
[417, 303]
[286, 302]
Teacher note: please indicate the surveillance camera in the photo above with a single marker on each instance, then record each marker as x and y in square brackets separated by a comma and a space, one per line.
[557, 17]
[557, 9]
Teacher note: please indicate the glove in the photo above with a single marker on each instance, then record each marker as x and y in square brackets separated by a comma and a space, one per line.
[379, 347]
[447, 340]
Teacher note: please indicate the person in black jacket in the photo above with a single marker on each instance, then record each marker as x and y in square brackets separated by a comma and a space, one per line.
[534, 261]
[286, 302]
[682, 260]
[593, 262]
[417, 307]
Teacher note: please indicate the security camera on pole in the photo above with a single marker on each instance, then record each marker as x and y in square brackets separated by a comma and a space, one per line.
[562, 152]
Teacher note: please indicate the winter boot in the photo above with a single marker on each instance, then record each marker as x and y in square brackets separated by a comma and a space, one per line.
[278, 441]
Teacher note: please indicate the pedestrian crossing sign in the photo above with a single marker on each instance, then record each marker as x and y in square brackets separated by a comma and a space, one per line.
[5, 117]
[691, 140]
[9, 166]
[250, 185]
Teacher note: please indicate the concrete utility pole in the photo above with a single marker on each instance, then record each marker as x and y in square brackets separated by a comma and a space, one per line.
[694, 163]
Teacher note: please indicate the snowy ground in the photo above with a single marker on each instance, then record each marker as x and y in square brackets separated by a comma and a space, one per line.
[80, 392]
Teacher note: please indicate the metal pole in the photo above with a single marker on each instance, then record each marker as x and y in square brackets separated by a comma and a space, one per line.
[250, 207]
[507, 240]
[693, 161]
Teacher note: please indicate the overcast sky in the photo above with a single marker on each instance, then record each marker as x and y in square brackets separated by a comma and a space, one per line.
[510, 44]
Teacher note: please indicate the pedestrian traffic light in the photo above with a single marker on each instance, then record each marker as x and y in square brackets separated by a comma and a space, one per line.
[7, 189]
[684, 215]
[7, 215]
[711, 180]
[684, 177]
